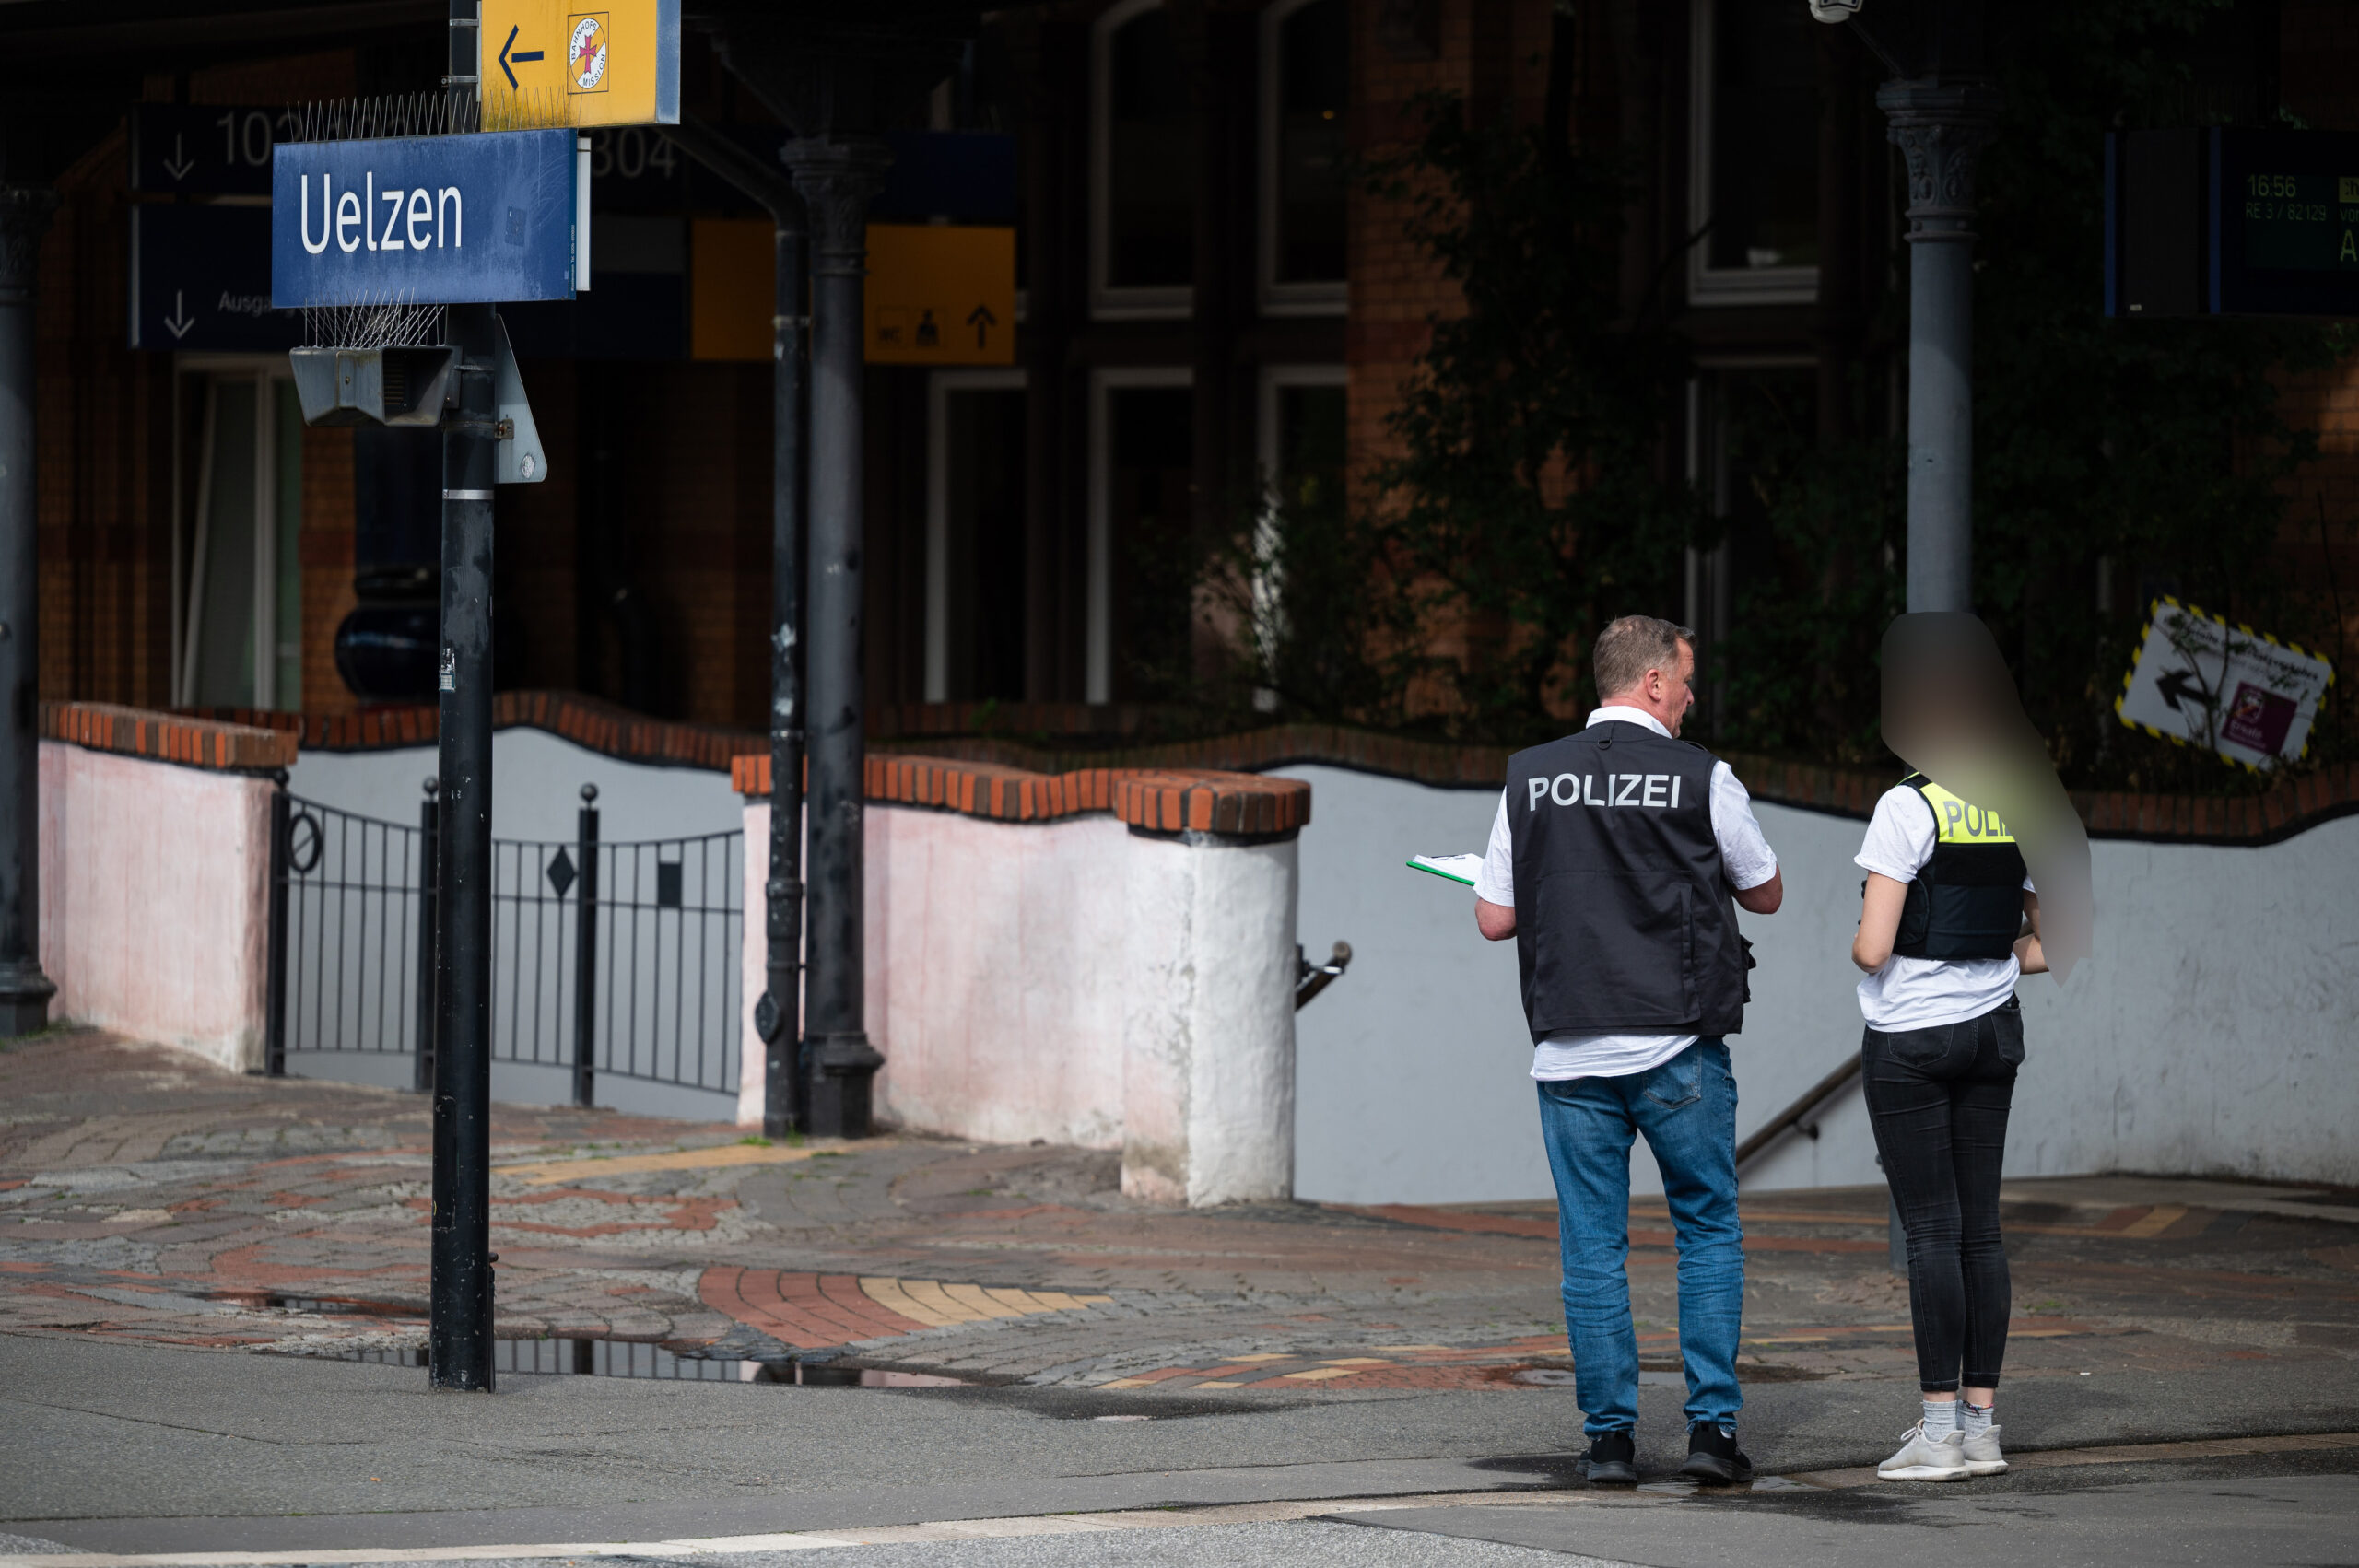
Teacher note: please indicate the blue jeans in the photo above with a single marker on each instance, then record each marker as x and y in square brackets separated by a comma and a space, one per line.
[1687, 1109]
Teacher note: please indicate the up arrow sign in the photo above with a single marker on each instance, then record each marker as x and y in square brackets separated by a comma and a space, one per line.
[179, 320]
[179, 164]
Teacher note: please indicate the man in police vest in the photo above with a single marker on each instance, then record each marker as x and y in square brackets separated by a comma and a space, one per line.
[1617, 862]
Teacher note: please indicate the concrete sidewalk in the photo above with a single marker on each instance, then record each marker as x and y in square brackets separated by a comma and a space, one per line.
[185, 1253]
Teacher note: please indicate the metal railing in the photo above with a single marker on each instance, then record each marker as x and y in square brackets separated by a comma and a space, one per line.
[608, 959]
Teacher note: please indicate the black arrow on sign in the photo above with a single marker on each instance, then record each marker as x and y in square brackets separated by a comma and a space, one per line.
[982, 321]
[520, 56]
[2179, 683]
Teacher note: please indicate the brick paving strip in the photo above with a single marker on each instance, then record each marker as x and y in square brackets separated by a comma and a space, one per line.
[146, 1196]
[1023, 1526]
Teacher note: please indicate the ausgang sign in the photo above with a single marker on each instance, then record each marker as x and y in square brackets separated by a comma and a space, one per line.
[432, 220]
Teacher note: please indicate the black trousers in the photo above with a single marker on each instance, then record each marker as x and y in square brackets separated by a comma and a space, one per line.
[1938, 1098]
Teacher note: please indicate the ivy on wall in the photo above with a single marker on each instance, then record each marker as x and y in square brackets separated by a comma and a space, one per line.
[1528, 499]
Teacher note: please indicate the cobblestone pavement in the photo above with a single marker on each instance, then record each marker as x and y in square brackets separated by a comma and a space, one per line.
[147, 1196]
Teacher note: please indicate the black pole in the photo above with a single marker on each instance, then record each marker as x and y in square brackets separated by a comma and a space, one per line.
[273, 1050]
[462, 1342]
[24, 990]
[428, 838]
[778, 1015]
[835, 178]
[585, 956]
[777, 1018]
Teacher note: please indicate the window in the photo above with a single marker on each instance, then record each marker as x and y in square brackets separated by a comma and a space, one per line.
[1303, 447]
[1747, 421]
[1142, 452]
[240, 641]
[974, 555]
[1306, 92]
[1142, 213]
[1754, 173]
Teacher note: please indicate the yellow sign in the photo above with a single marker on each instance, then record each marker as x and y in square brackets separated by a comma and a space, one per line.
[580, 63]
[940, 295]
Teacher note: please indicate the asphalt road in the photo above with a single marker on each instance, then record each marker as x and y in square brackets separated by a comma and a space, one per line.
[117, 1448]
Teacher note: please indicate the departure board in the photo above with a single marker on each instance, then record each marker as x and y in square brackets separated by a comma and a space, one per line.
[2283, 223]
[2301, 222]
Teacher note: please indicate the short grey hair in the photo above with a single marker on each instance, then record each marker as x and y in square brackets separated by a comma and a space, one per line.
[1631, 647]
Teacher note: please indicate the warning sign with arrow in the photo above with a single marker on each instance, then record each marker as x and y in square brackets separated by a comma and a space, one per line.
[580, 63]
[2201, 681]
[941, 295]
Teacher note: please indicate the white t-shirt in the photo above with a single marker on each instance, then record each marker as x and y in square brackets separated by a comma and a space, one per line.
[1919, 993]
[1745, 854]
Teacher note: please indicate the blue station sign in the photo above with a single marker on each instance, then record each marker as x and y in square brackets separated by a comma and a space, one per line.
[430, 220]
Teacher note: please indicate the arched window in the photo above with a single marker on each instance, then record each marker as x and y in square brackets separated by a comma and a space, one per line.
[1306, 94]
[1143, 166]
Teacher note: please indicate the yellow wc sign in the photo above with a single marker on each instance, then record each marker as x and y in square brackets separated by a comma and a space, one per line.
[580, 63]
[939, 295]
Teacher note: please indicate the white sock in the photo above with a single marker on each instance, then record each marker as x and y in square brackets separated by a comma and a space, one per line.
[1940, 1419]
[1974, 1418]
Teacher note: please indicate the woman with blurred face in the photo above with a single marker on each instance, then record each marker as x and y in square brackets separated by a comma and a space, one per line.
[1948, 922]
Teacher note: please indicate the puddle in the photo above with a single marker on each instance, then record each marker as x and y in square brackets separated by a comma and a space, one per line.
[316, 1306]
[622, 1358]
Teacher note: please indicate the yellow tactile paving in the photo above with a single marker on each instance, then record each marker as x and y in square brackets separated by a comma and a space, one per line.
[945, 1305]
[546, 1171]
[2160, 1219]
[892, 1295]
[979, 1302]
[1319, 1374]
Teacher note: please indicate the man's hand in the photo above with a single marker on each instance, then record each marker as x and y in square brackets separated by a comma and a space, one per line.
[1496, 922]
[1765, 898]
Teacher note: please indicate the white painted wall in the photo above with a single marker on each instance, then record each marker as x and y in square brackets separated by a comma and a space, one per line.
[535, 789]
[1075, 982]
[155, 899]
[2216, 1031]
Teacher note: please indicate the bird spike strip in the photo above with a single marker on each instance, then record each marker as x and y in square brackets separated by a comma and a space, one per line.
[394, 322]
[432, 113]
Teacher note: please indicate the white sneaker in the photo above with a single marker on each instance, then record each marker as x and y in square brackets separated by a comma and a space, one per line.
[1926, 1458]
[1982, 1456]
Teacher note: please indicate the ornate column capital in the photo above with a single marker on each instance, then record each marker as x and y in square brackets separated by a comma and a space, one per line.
[838, 176]
[24, 218]
[1941, 128]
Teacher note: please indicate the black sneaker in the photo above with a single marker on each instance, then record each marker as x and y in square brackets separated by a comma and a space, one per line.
[1713, 1457]
[1612, 1460]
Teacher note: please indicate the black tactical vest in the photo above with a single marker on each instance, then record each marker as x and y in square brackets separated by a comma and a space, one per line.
[1967, 901]
[1623, 921]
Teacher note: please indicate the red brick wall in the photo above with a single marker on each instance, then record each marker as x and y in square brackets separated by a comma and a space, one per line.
[104, 481]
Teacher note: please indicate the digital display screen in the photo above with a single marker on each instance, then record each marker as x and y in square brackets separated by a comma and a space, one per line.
[2301, 222]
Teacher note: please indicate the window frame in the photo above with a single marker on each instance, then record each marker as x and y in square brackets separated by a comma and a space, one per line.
[1108, 301]
[266, 373]
[1097, 660]
[940, 384]
[1278, 299]
[1708, 284]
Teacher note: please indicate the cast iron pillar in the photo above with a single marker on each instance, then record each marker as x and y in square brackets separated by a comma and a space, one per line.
[461, 1288]
[778, 1018]
[24, 990]
[837, 176]
[1941, 128]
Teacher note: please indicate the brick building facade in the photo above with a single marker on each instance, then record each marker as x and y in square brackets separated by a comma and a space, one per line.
[1208, 308]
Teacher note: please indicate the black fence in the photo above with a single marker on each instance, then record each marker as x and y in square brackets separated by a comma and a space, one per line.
[608, 960]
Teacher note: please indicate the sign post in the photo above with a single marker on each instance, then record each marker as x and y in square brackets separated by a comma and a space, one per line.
[379, 242]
